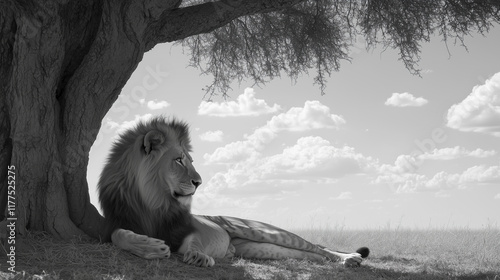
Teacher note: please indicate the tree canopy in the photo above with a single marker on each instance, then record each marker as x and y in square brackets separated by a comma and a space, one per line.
[318, 35]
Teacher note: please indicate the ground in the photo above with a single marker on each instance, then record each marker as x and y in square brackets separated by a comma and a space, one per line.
[395, 254]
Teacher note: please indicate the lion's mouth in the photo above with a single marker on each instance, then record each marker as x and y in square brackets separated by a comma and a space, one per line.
[177, 195]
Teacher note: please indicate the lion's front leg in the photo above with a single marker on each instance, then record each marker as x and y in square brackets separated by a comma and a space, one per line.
[140, 245]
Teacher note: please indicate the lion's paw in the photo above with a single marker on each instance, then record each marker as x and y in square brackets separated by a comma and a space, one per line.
[198, 258]
[140, 245]
[352, 260]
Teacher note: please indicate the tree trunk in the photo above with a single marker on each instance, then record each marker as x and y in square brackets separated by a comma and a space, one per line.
[62, 65]
[63, 74]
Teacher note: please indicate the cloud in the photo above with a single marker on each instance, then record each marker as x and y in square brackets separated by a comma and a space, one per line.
[310, 159]
[412, 182]
[231, 153]
[212, 136]
[313, 157]
[246, 105]
[455, 152]
[342, 196]
[405, 99]
[481, 174]
[403, 176]
[480, 110]
[412, 162]
[155, 105]
[313, 115]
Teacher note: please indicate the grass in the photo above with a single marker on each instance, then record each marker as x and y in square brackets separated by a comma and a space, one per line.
[395, 254]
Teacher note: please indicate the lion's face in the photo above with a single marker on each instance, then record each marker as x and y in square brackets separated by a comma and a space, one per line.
[179, 175]
[166, 172]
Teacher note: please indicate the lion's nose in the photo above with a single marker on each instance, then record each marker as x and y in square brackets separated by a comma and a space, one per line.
[196, 183]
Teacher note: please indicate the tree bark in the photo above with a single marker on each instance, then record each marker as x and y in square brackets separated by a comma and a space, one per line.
[63, 75]
[5, 141]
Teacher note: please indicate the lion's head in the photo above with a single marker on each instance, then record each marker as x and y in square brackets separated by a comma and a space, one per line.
[149, 169]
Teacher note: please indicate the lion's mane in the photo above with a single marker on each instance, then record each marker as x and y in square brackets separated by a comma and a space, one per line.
[129, 191]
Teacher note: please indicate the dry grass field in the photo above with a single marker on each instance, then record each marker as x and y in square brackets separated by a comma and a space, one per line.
[395, 254]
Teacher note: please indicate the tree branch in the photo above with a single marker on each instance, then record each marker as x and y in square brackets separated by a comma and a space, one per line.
[262, 46]
[181, 23]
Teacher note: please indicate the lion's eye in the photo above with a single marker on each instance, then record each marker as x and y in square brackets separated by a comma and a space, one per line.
[179, 161]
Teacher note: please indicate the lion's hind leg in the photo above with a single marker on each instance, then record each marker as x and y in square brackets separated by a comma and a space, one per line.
[261, 250]
[347, 259]
[140, 245]
[194, 251]
[253, 239]
[209, 241]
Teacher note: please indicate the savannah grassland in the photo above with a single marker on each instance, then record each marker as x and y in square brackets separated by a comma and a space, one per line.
[395, 254]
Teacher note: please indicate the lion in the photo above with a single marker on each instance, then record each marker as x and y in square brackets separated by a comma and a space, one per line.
[146, 189]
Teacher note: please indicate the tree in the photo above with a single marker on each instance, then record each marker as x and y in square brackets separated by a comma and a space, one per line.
[64, 62]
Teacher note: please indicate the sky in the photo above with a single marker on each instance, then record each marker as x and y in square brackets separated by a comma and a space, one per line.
[383, 148]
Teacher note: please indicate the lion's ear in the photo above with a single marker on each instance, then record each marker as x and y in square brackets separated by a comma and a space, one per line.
[152, 140]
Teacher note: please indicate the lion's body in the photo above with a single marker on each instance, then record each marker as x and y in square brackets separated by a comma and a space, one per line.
[257, 240]
[146, 189]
